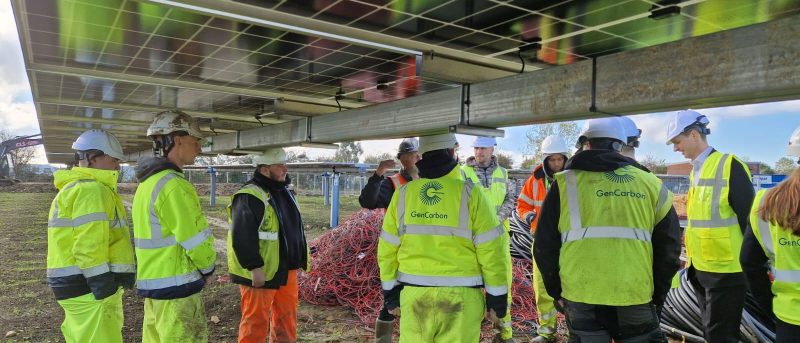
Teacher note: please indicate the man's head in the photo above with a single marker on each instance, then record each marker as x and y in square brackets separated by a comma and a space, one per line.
[687, 131]
[602, 134]
[484, 149]
[408, 154]
[435, 143]
[555, 153]
[176, 136]
[98, 149]
[272, 164]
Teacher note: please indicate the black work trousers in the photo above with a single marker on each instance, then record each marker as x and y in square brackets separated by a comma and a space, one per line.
[721, 310]
[589, 323]
[787, 333]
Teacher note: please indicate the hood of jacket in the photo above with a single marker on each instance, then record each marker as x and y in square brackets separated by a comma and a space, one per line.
[107, 177]
[601, 161]
[147, 167]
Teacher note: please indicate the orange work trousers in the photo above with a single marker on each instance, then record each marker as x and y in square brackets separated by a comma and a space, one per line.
[270, 312]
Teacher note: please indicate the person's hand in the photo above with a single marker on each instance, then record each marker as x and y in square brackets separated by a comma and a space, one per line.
[257, 276]
[383, 166]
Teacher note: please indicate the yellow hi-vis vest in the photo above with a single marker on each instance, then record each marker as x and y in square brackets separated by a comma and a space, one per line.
[173, 241]
[606, 225]
[782, 248]
[442, 232]
[87, 229]
[498, 184]
[268, 240]
[713, 236]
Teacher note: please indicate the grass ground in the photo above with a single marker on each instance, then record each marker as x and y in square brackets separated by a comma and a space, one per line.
[27, 305]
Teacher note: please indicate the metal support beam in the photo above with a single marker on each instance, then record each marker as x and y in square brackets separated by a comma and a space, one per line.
[747, 65]
[752, 64]
[262, 16]
[202, 85]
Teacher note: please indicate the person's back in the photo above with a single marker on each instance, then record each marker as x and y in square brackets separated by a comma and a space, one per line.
[606, 223]
[608, 241]
[441, 243]
[771, 248]
[89, 251]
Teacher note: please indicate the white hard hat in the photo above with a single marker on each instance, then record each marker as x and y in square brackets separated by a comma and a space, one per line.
[682, 120]
[484, 142]
[794, 143]
[173, 121]
[631, 131]
[609, 127]
[437, 142]
[270, 156]
[96, 139]
[554, 145]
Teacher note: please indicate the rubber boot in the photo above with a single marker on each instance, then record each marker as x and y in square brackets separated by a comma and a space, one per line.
[384, 331]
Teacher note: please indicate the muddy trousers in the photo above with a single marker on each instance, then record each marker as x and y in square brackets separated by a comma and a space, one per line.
[441, 314]
[269, 312]
[546, 310]
[181, 320]
[589, 323]
[88, 320]
[507, 332]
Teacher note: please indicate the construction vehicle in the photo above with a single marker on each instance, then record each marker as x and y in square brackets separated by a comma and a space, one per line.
[7, 172]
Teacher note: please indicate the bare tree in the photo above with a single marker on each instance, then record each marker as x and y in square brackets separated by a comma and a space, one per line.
[528, 163]
[21, 158]
[568, 131]
[655, 164]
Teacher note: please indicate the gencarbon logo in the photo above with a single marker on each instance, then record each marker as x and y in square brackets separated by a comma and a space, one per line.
[431, 194]
[621, 177]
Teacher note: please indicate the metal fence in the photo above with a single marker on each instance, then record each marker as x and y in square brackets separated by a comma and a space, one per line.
[307, 183]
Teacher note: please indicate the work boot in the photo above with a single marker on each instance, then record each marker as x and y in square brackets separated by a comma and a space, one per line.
[383, 331]
[543, 339]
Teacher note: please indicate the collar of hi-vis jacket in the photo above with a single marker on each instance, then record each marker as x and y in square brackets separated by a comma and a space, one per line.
[61, 178]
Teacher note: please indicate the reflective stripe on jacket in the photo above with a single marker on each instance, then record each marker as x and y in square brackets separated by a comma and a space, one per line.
[174, 244]
[606, 223]
[442, 232]
[529, 202]
[782, 248]
[88, 242]
[713, 235]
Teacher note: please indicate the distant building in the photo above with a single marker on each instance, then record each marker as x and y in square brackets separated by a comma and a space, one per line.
[684, 168]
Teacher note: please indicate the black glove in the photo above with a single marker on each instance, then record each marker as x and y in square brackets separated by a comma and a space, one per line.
[498, 303]
[391, 298]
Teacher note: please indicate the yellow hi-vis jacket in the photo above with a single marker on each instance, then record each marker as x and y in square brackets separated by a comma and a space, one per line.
[88, 243]
[497, 187]
[606, 224]
[174, 244]
[442, 232]
[782, 248]
[713, 236]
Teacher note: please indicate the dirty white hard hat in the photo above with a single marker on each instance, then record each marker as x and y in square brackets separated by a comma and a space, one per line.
[437, 142]
[96, 139]
[174, 121]
[407, 145]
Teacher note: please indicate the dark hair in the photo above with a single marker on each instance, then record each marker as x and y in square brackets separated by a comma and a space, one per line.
[438, 153]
